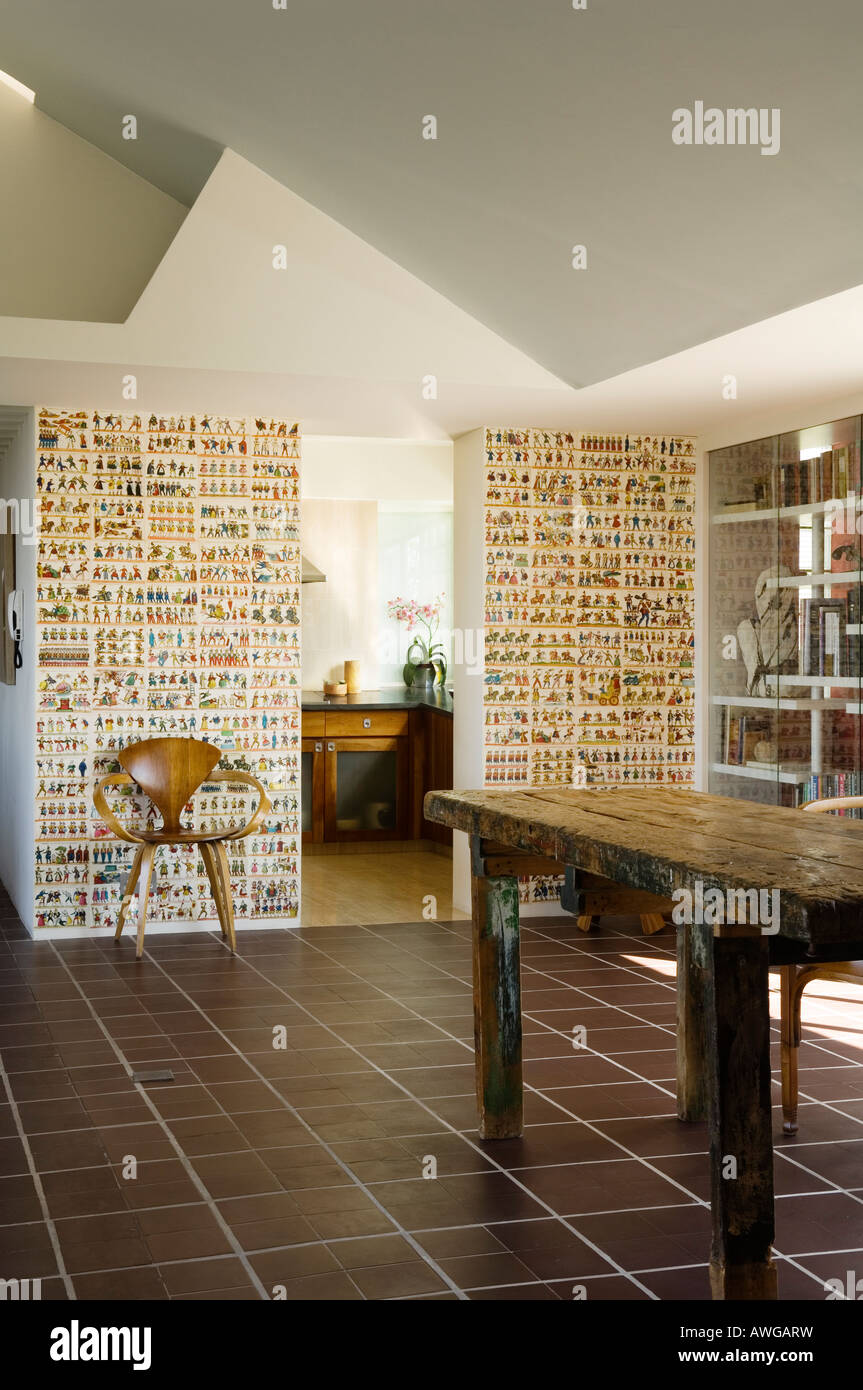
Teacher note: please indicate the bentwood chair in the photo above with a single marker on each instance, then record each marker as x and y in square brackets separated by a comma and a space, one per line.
[169, 771]
[794, 979]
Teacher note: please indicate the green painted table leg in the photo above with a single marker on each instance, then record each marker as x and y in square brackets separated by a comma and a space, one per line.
[497, 1007]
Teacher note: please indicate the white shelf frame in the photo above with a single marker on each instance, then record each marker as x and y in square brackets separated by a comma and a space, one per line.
[774, 513]
[780, 702]
[764, 774]
[829, 578]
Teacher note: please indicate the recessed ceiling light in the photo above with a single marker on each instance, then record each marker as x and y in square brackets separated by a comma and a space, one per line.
[17, 86]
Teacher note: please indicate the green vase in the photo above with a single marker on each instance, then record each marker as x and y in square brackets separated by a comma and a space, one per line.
[420, 677]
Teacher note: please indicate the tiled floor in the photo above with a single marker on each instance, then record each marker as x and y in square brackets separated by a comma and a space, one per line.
[301, 1170]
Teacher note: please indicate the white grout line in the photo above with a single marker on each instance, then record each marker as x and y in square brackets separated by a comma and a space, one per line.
[643, 1160]
[190, 1172]
[416, 1100]
[40, 1192]
[285, 1104]
[461, 1042]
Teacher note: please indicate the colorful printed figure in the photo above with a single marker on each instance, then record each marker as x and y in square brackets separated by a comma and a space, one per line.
[585, 547]
[154, 543]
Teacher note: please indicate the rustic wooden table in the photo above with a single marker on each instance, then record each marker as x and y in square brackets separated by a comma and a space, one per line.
[643, 845]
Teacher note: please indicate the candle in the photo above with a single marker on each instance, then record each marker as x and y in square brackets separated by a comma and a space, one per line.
[352, 677]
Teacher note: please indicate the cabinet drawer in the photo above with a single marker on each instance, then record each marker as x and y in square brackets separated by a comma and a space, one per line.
[313, 724]
[356, 723]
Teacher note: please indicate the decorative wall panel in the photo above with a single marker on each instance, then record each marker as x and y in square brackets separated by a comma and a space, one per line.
[590, 563]
[168, 603]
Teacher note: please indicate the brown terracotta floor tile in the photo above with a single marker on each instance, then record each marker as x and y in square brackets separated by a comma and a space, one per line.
[455, 1241]
[379, 1066]
[145, 1283]
[484, 1271]
[187, 1244]
[27, 1251]
[368, 1252]
[204, 1276]
[86, 1256]
[513, 1293]
[19, 1201]
[84, 1192]
[295, 1262]
[398, 1280]
[13, 1160]
[324, 1288]
[615, 1289]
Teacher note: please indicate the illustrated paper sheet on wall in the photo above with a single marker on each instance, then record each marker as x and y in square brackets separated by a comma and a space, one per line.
[168, 604]
[589, 575]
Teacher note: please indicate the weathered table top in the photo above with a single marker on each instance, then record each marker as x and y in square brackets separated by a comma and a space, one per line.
[659, 840]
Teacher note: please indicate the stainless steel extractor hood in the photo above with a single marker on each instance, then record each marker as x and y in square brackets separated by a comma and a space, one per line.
[310, 573]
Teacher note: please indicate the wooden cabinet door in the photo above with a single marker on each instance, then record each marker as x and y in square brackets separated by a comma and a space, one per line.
[313, 789]
[366, 794]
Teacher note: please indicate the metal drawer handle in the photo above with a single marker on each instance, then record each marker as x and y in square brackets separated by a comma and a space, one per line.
[319, 747]
[331, 748]
[367, 723]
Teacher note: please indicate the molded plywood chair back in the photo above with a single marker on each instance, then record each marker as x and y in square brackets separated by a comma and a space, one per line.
[170, 771]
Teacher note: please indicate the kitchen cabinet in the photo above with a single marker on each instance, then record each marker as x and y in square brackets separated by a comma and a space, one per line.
[365, 773]
[366, 791]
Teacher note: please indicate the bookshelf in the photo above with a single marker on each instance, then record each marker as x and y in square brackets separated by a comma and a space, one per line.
[785, 622]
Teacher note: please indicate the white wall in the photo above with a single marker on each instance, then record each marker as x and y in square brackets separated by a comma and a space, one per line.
[377, 470]
[18, 701]
[340, 616]
[414, 562]
[409, 483]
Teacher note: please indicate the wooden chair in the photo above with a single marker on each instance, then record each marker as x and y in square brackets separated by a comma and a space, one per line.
[793, 980]
[170, 771]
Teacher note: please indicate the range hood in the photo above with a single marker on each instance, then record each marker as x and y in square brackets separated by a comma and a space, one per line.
[310, 574]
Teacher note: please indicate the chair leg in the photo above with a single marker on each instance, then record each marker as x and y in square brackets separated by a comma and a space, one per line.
[211, 866]
[146, 871]
[225, 871]
[652, 922]
[584, 923]
[130, 889]
[789, 1013]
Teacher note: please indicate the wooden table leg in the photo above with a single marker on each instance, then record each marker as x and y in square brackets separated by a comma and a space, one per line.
[497, 1006]
[694, 944]
[741, 1142]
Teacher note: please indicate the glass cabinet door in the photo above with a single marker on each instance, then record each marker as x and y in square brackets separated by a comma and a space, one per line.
[818, 742]
[742, 709]
[366, 788]
[786, 628]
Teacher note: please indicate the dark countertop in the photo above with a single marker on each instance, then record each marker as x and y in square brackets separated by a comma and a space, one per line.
[436, 698]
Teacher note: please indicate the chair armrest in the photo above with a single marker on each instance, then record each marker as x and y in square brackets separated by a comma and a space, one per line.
[116, 779]
[263, 806]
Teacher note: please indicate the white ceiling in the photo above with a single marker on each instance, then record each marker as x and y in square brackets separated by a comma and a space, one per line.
[554, 128]
[344, 338]
[80, 235]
